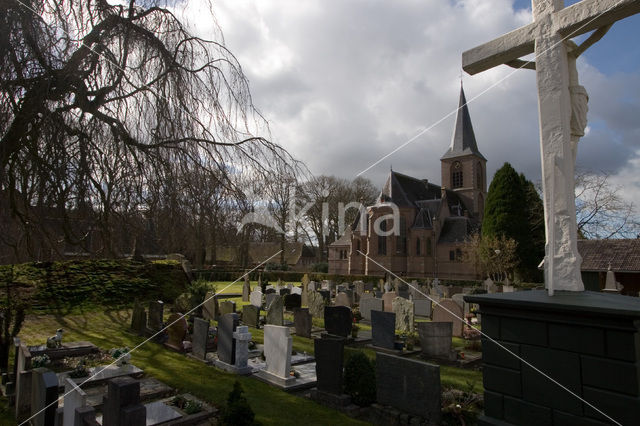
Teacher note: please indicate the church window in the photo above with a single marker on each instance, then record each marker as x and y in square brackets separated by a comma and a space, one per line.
[456, 175]
[459, 255]
[452, 255]
[418, 246]
[358, 247]
[428, 244]
[401, 240]
[479, 177]
[382, 239]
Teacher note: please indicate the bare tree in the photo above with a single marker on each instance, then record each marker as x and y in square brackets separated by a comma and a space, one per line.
[600, 209]
[95, 96]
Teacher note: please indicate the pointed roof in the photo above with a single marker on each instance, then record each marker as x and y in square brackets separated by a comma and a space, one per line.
[464, 140]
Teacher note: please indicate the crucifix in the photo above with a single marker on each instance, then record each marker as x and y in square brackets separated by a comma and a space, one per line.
[562, 106]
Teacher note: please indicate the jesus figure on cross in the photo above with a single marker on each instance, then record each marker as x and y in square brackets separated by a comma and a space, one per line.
[562, 107]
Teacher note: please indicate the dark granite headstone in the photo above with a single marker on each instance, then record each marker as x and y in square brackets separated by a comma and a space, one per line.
[226, 343]
[156, 311]
[326, 294]
[269, 298]
[587, 341]
[269, 291]
[200, 337]
[338, 320]
[328, 352]
[227, 307]
[284, 291]
[302, 322]
[121, 406]
[44, 391]
[292, 301]
[409, 385]
[383, 329]
[435, 340]
[139, 319]
[251, 316]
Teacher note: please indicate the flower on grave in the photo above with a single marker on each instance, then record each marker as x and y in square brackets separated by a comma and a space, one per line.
[120, 354]
[40, 361]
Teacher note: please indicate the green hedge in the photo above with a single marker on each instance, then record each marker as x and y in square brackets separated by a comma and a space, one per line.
[83, 284]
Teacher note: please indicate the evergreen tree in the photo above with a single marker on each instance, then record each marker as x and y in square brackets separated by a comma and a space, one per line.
[513, 210]
[238, 412]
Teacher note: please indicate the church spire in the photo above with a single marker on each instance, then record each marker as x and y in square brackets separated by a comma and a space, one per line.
[464, 140]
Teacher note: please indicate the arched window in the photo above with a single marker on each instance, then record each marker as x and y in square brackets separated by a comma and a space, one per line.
[418, 246]
[479, 179]
[382, 239]
[456, 175]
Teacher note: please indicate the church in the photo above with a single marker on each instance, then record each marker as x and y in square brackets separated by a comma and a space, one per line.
[433, 223]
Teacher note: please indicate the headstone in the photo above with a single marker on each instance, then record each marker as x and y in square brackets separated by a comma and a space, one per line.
[156, 312]
[410, 386]
[338, 320]
[246, 289]
[507, 288]
[275, 311]
[269, 298]
[435, 340]
[489, 286]
[297, 290]
[329, 352]
[226, 343]
[422, 307]
[242, 338]
[177, 328]
[441, 313]
[342, 299]
[200, 337]
[370, 304]
[313, 286]
[270, 290]
[251, 316]
[305, 280]
[359, 288]
[227, 307]
[284, 291]
[387, 298]
[74, 397]
[210, 309]
[459, 299]
[277, 351]
[306, 287]
[255, 298]
[23, 383]
[138, 319]
[44, 393]
[326, 294]
[383, 329]
[121, 406]
[403, 309]
[292, 301]
[316, 304]
[302, 322]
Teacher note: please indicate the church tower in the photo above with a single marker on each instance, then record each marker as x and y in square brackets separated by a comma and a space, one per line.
[463, 167]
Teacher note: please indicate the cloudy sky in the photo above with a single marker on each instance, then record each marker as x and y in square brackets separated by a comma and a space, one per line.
[345, 82]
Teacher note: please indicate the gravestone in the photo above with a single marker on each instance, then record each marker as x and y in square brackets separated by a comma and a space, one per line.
[297, 290]
[342, 299]
[326, 294]
[313, 286]
[74, 397]
[440, 314]
[305, 281]
[349, 294]
[246, 289]
[403, 309]
[316, 304]
[277, 351]
[200, 337]
[269, 298]
[435, 340]
[226, 343]
[44, 393]
[383, 329]
[210, 308]
[508, 288]
[251, 316]
[459, 299]
[255, 298]
[302, 322]
[177, 328]
[121, 406]
[329, 352]
[242, 338]
[275, 311]
[227, 307]
[156, 313]
[489, 286]
[422, 307]
[138, 319]
[306, 287]
[292, 301]
[359, 289]
[387, 298]
[270, 290]
[23, 383]
[410, 386]
[338, 320]
[284, 291]
[370, 304]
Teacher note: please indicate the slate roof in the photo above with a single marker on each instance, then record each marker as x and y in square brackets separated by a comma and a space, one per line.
[344, 240]
[405, 190]
[455, 229]
[623, 255]
[464, 139]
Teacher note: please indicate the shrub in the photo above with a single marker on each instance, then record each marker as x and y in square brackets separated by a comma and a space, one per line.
[238, 412]
[360, 379]
[320, 267]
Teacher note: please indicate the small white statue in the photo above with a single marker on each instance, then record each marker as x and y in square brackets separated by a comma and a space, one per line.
[55, 341]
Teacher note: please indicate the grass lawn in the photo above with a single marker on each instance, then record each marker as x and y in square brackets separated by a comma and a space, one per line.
[272, 406]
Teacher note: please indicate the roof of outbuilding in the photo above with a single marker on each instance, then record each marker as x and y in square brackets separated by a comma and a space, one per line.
[622, 255]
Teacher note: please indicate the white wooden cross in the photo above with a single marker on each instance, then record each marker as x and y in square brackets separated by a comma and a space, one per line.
[546, 35]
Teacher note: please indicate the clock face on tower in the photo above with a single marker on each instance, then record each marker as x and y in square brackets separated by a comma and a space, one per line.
[457, 165]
